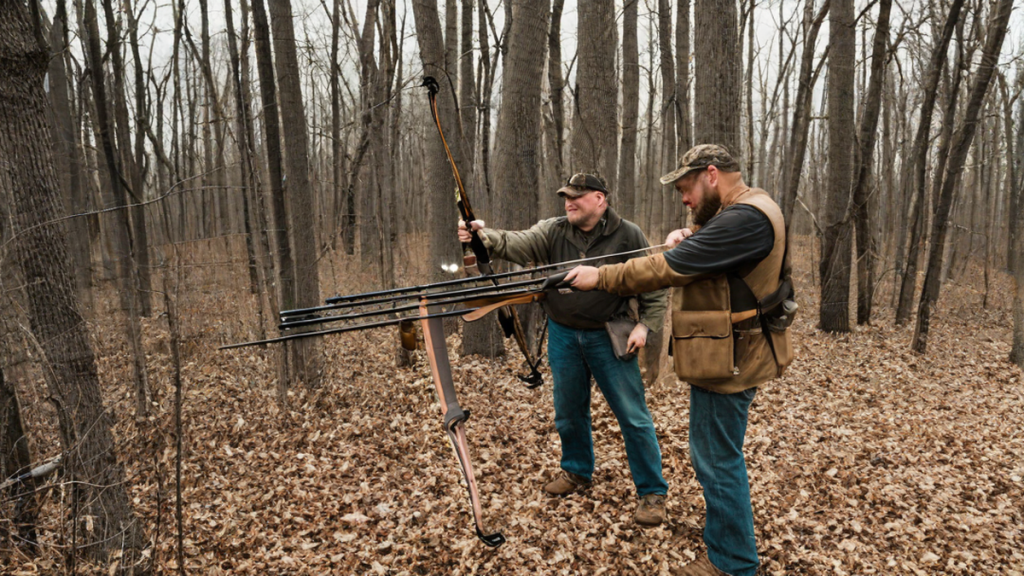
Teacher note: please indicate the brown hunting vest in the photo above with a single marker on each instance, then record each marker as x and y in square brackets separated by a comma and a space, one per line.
[723, 350]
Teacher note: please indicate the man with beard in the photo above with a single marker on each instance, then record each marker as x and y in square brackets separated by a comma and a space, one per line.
[732, 305]
[580, 342]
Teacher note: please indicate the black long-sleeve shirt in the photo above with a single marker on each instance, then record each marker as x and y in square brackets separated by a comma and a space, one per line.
[732, 242]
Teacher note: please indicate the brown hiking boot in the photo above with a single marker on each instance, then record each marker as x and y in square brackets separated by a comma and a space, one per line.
[651, 511]
[700, 567]
[566, 483]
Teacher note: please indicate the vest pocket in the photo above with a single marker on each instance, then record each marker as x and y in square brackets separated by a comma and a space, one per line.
[702, 344]
[783, 350]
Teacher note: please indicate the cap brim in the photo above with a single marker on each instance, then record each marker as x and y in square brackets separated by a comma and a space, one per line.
[571, 192]
[676, 175]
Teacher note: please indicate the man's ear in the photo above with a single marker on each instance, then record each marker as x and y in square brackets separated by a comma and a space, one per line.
[712, 175]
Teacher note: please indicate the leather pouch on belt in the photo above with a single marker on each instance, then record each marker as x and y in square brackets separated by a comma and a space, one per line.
[702, 344]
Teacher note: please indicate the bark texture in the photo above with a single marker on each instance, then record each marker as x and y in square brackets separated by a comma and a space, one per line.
[717, 69]
[307, 355]
[866, 144]
[41, 249]
[595, 117]
[837, 239]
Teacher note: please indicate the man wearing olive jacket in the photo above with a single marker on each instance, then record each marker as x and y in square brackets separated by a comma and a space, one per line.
[579, 345]
[728, 332]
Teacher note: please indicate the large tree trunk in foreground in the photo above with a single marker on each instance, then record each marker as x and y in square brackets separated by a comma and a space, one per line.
[861, 197]
[53, 309]
[716, 52]
[958, 155]
[837, 239]
[307, 358]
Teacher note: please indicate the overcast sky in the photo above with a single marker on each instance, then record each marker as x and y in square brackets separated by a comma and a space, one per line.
[313, 25]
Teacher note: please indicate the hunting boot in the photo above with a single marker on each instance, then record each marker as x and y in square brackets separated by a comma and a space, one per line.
[651, 510]
[566, 483]
[700, 567]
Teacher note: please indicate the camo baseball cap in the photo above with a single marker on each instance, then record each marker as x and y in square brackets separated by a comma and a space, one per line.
[699, 157]
[581, 183]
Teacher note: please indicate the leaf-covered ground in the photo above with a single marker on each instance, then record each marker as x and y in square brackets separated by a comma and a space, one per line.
[864, 459]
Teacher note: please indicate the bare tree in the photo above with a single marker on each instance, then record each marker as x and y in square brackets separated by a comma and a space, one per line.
[595, 114]
[307, 358]
[834, 314]
[797, 146]
[66, 152]
[438, 181]
[917, 161]
[121, 229]
[684, 128]
[716, 74]
[58, 330]
[1000, 18]
[281, 246]
[863, 166]
[626, 193]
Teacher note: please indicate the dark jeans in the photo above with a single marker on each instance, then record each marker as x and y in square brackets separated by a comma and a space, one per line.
[718, 423]
[574, 356]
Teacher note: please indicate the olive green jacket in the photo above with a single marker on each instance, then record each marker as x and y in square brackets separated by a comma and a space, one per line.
[556, 240]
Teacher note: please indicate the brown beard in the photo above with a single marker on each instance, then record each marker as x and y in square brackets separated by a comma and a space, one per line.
[707, 209]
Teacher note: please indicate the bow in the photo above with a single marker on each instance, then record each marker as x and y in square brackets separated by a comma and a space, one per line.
[470, 303]
[475, 253]
[430, 305]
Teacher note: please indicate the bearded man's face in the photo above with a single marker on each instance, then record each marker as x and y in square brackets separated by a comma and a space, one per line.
[699, 196]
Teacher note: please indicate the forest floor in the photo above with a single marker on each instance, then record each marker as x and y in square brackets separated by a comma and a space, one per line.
[865, 458]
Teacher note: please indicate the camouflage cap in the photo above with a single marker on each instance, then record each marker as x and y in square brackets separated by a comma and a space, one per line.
[581, 183]
[699, 157]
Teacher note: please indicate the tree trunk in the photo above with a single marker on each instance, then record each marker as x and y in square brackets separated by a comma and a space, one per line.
[140, 227]
[285, 265]
[247, 172]
[482, 338]
[918, 158]
[66, 152]
[837, 238]
[438, 181]
[16, 458]
[120, 229]
[626, 193]
[307, 358]
[797, 147]
[671, 207]
[717, 74]
[53, 308]
[865, 161]
[684, 128]
[958, 154]
[595, 118]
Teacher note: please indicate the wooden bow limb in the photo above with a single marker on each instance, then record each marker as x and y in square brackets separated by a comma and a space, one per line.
[454, 416]
[485, 306]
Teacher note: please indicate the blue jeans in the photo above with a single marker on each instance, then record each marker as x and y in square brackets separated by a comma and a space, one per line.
[575, 356]
[718, 423]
